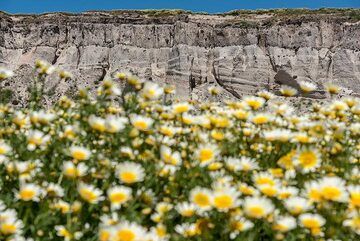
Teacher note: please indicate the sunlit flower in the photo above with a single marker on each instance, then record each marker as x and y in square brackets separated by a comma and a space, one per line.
[126, 231]
[118, 195]
[206, 154]
[141, 123]
[20, 119]
[314, 222]
[54, 190]
[180, 108]
[265, 94]
[277, 135]
[286, 161]
[4, 148]
[253, 102]
[353, 222]
[61, 231]
[307, 86]
[115, 124]
[297, 205]
[36, 138]
[239, 224]
[130, 172]
[5, 74]
[261, 118]
[109, 87]
[186, 209]
[11, 226]
[332, 88]
[288, 91]
[308, 159]
[287, 192]
[97, 123]
[187, 229]
[264, 178]
[63, 206]
[29, 192]
[80, 153]
[89, 193]
[41, 117]
[151, 91]
[72, 171]
[169, 157]
[202, 198]
[284, 224]
[354, 191]
[225, 198]
[257, 207]
[247, 190]
[333, 189]
[312, 191]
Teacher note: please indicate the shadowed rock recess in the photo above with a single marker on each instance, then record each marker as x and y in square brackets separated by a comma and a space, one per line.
[241, 51]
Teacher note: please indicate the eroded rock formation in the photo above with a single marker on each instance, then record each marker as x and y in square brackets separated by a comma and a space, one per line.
[240, 52]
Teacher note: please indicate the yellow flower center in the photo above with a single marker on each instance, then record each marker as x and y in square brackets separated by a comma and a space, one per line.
[150, 93]
[269, 190]
[256, 211]
[64, 233]
[206, 155]
[246, 190]
[315, 195]
[128, 177]
[161, 231]
[98, 126]
[8, 228]
[311, 223]
[187, 213]
[308, 159]
[125, 235]
[79, 155]
[88, 195]
[217, 135]
[223, 201]
[254, 104]
[237, 225]
[264, 180]
[331, 193]
[280, 227]
[35, 140]
[261, 119]
[71, 172]
[181, 109]
[104, 235]
[27, 194]
[166, 131]
[355, 199]
[118, 197]
[2, 150]
[140, 124]
[202, 200]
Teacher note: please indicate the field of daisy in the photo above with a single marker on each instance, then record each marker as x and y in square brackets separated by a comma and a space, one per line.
[149, 168]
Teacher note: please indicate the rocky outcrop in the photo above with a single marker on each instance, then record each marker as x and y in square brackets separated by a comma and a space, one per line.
[241, 52]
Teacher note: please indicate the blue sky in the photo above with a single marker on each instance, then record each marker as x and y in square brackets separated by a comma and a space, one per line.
[211, 6]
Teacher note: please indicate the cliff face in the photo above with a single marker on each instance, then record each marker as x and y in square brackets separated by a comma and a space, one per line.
[242, 52]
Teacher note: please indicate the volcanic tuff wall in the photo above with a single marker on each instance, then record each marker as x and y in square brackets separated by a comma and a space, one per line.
[240, 52]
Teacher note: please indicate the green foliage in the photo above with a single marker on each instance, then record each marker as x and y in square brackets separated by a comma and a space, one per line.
[5, 96]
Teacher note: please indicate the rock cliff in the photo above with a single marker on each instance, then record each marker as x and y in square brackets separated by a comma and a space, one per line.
[241, 51]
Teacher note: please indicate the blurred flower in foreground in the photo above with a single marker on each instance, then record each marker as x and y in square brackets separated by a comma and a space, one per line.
[5, 74]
